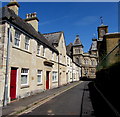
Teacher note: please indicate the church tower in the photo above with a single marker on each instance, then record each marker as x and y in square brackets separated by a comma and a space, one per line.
[77, 50]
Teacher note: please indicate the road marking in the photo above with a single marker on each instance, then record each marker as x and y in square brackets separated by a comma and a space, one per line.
[36, 104]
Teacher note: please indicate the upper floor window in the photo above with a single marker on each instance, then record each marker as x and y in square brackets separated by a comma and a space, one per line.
[68, 61]
[86, 61]
[17, 38]
[77, 50]
[38, 49]
[43, 51]
[27, 42]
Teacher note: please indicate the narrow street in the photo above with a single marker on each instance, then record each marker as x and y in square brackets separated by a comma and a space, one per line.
[67, 103]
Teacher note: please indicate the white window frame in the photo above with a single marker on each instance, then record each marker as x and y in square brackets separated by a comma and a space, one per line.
[24, 74]
[27, 42]
[38, 48]
[54, 76]
[39, 75]
[17, 38]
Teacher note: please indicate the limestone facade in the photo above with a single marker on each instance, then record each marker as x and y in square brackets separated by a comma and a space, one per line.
[29, 62]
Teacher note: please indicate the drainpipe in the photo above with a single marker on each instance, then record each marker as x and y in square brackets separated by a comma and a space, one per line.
[58, 72]
[72, 73]
[81, 72]
[5, 100]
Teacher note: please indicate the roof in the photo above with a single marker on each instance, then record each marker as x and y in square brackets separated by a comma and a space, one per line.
[93, 45]
[77, 41]
[68, 49]
[53, 37]
[9, 15]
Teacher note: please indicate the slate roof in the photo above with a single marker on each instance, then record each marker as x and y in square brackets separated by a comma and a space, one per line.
[53, 37]
[77, 41]
[19, 22]
[93, 45]
[69, 49]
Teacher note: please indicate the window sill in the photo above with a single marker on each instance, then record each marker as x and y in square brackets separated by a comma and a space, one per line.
[25, 86]
[54, 81]
[40, 56]
[21, 49]
[39, 84]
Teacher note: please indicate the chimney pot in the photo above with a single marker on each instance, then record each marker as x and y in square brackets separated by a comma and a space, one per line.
[32, 19]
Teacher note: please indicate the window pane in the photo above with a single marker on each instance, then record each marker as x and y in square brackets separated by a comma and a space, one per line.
[39, 76]
[24, 76]
[17, 38]
[27, 39]
[23, 79]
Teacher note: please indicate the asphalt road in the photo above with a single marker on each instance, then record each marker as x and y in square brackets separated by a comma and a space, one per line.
[67, 103]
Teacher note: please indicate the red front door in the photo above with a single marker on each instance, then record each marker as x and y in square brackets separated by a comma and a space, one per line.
[47, 80]
[13, 83]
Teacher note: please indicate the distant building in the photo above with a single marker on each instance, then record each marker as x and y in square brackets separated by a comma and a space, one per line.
[88, 61]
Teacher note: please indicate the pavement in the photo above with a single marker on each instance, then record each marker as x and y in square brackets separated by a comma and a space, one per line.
[86, 106]
[21, 105]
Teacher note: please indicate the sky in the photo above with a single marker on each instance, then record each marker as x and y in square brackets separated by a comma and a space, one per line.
[73, 18]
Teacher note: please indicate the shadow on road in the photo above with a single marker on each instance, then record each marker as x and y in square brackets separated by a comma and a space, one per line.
[101, 108]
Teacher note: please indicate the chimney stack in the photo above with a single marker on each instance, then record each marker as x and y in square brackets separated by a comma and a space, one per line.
[13, 5]
[32, 19]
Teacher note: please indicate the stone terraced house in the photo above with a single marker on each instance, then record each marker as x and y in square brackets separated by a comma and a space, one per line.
[31, 62]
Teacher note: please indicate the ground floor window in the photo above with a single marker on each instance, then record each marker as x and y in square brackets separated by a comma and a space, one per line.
[39, 76]
[54, 76]
[24, 76]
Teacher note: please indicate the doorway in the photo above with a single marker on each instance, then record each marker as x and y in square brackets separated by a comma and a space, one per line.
[47, 79]
[13, 76]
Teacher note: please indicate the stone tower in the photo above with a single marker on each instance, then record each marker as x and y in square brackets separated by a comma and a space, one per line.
[93, 49]
[102, 30]
[77, 50]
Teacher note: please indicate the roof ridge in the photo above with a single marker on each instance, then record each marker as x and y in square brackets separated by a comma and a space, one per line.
[52, 32]
[7, 13]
